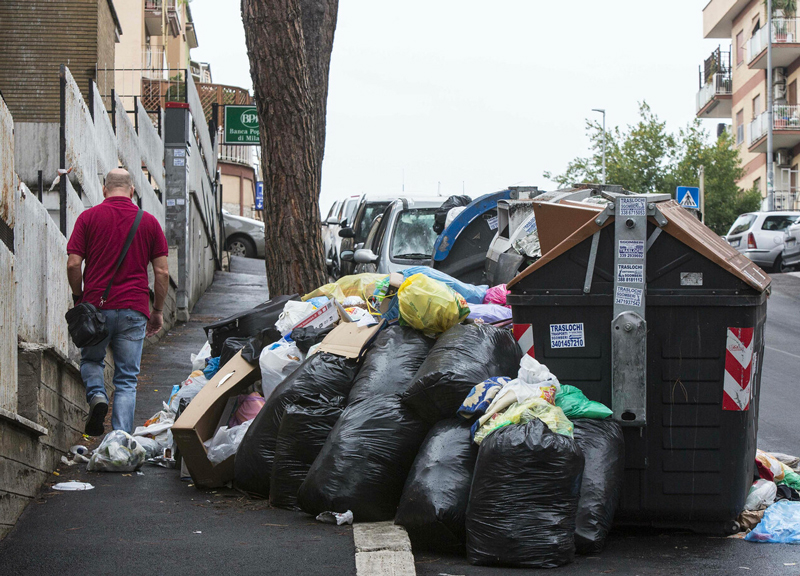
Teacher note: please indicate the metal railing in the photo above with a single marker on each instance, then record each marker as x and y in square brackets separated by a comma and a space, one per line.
[720, 84]
[784, 31]
[244, 155]
[784, 117]
[785, 199]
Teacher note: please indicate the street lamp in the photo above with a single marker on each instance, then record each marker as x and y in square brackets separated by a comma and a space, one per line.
[603, 112]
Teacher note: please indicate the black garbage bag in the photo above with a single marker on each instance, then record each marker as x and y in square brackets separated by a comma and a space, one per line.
[524, 498]
[433, 506]
[318, 380]
[247, 323]
[603, 447]
[462, 357]
[388, 367]
[440, 218]
[309, 336]
[301, 436]
[365, 460]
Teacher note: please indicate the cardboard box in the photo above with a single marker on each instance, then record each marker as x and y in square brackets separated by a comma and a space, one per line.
[349, 339]
[319, 318]
[199, 421]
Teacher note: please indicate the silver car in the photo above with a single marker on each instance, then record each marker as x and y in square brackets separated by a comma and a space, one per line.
[760, 236]
[243, 236]
[403, 238]
[791, 242]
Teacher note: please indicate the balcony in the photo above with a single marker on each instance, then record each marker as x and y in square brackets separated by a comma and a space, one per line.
[786, 129]
[718, 16]
[242, 155]
[716, 88]
[785, 44]
[154, 17]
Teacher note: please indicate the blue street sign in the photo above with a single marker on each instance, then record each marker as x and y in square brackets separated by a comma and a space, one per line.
[688, 197]
[259, 195]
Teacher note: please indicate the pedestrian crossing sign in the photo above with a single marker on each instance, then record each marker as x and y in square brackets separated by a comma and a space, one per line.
[688, 197]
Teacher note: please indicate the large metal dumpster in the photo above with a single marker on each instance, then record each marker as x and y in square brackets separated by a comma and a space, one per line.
[648, 311]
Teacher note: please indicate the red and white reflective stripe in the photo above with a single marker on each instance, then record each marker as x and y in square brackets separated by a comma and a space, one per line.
[524, 336]
[738, 369]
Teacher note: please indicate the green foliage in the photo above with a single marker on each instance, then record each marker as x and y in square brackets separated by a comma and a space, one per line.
[645, 157]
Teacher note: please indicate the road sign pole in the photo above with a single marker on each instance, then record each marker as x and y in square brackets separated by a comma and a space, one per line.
[703, 194]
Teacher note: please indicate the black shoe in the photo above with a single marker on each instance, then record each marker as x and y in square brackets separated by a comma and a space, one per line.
[98, 408]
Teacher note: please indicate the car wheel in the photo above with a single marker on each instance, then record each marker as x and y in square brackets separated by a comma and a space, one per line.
[780, 266]
[241, 246]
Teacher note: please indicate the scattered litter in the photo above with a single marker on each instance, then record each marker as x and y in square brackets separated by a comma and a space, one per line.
[336, 517]
[197, 532]
[118, 452]
[72, 486]
[78, 449]
[781, 524]
[225, 442]
[139, 473]
[67, 461]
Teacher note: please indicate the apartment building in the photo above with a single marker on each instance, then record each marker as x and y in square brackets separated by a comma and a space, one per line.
[733, 86]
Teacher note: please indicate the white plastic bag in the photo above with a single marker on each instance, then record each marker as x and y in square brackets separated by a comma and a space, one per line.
[293, 313]
[189, 391]
[762, 494]
[118, 452]
[277, 361]
[225, 442]
[199, 359]
[452, 213]
[159, 423]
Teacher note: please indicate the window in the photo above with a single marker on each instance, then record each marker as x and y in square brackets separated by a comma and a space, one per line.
[791, 93]
[740, 48]
[370, 211]
[742, 224]
[413, 237]
[756, 106]
[757, 184]
[740, 127]
[778, 223]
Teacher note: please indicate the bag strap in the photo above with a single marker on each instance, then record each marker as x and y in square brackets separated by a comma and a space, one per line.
[128, 241]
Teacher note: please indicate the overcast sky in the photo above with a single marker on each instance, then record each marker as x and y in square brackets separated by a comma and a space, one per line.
[476, 94]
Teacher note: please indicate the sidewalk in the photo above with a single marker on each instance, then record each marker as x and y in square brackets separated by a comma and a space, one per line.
[156, 524]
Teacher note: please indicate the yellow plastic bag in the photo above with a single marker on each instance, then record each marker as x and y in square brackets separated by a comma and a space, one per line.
[520, 413]
[362, 285]
[429, 305]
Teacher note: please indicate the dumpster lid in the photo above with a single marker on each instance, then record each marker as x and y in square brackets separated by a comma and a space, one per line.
[681, 225]
[556, 221]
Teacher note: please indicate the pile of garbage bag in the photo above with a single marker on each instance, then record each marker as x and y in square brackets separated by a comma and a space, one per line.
[398, 397]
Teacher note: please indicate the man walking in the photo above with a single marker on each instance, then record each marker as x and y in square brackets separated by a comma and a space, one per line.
[98, 239]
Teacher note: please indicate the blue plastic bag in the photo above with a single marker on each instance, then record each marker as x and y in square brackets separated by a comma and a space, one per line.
[781, 524]
[471, 293]
[211, 368]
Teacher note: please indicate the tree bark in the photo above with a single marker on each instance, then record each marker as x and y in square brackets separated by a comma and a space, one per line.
[291, 95]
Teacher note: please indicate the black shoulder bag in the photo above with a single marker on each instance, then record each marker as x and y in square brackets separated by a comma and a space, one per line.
[87, 326]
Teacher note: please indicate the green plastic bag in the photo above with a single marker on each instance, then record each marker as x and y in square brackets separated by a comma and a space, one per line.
[576, 405]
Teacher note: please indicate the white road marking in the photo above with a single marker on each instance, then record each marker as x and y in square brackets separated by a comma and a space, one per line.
[782, 352]
[383, 549]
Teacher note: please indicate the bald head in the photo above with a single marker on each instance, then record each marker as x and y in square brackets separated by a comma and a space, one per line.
[118, 183]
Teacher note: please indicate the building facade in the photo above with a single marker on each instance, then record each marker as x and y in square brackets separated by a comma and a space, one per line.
[733, 86]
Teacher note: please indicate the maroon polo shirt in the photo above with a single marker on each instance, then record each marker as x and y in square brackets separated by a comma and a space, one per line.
[98, 237]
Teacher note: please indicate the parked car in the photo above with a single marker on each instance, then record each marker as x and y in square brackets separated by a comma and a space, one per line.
[760, 236]
[243, 236]
[344, 215]
[404, 237]
[791, 245]
[333, 214]
[354, 235]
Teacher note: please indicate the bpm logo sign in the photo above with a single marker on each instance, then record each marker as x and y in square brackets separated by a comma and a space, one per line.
[249, 119]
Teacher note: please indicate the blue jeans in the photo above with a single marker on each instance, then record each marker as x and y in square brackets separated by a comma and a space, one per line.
[126, 330]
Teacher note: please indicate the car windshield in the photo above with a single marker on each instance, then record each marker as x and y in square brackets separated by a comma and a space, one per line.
[413, 236]
[742, 224]
[778, 223]
[350, 210]
[371, 211]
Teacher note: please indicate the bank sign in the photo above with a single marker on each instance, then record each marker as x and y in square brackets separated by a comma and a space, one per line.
[241, 125]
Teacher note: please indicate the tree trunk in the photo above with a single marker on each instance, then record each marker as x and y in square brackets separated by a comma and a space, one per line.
[291, 100]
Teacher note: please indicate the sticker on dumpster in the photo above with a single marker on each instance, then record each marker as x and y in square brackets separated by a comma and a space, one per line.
[691, 278]
[631, 249]
[566, 336]
[739, 369]
[630, 273]
[492, 222]
[523, 334]
[530, 225]
[627, 296]
[633, 206]
[179, 161]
